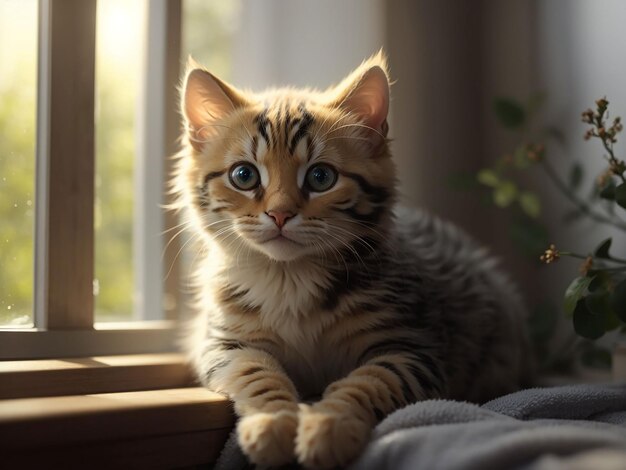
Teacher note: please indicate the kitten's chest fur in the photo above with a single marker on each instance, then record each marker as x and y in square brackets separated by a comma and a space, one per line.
[308, 359]
[286, 301]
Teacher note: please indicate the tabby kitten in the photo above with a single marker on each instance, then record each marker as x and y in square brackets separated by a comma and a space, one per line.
[312, 286]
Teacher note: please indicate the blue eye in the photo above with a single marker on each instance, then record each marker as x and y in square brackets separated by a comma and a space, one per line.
[321, 178]
[244, 176]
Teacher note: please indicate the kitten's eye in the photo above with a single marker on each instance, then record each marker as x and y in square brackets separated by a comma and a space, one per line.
[244, 176]
[321, 178]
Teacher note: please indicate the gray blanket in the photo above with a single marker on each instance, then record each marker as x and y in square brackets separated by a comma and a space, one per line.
[573, 427]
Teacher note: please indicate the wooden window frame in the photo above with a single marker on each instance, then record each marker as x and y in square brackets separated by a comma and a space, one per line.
[65, 154]
[99, 396]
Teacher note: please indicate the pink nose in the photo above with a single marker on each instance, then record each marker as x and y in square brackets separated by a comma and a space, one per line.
[280, 217]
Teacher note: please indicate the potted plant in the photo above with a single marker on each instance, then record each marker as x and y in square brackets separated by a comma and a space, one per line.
[595, 299]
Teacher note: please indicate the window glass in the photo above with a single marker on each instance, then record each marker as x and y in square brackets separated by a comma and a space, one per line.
[18, 95]
[119, 58]
[208, 28]
[208, 31]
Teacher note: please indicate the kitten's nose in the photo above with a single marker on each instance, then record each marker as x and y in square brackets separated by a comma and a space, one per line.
[280, 217]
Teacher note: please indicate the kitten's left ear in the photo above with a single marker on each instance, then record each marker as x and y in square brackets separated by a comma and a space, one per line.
[365, 93]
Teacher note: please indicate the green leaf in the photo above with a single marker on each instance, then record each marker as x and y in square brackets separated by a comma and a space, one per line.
[504, 194]
[618, 300]
[575, 176]
[602, 251]
[599, 303]
[601, 280]
[488, 177]
[574, 292]
[530, 204]
[587, 324]
[510, 113]
[620, 195]
[608, 192]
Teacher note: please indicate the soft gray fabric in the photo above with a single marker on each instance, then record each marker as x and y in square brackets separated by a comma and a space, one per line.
[571, 402]
[574, 427]
[539, 429]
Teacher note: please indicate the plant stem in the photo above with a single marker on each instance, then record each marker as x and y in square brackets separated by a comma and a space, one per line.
[572, 255]
[595, 259]
[582, 206]
[612, 159]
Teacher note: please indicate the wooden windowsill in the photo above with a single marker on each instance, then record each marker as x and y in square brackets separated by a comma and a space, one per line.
[78, 376]
[134, 411]
[146, 429]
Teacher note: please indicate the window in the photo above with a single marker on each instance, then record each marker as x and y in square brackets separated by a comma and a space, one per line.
[120, 28]
[18, 91]
[82, 203]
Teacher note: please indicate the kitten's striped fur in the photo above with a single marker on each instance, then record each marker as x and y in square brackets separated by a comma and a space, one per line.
[366, 311]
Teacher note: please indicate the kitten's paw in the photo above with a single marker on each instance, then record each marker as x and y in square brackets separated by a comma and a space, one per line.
[327, 439]
[268, 439]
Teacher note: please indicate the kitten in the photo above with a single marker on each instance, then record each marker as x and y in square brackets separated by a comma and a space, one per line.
[312, 286]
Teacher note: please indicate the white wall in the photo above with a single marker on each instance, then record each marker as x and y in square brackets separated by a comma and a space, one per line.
[305, 43]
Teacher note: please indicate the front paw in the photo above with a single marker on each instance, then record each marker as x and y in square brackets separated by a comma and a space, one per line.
[327, 439]
[268, 438]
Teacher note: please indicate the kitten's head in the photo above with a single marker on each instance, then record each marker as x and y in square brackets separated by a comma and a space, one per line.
[289, 172]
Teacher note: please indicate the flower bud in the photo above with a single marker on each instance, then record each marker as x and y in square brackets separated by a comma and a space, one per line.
[550, 255]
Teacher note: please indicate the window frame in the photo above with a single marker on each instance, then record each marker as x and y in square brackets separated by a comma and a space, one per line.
[65, 164]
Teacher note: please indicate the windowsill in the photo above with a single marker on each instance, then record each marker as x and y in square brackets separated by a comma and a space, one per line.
[82, 410]
[84, 375]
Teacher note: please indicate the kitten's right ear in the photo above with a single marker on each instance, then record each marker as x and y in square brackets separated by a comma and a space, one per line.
[206, 100]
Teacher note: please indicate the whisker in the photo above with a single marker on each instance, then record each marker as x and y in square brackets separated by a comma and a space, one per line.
[315, 138]
[355, 125]
[195, 237]
[170, 242]
[356, 237]
[186, 222]
[348, 138]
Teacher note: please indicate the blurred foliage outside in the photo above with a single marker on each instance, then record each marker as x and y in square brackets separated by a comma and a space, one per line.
[18, 44]
[208, 31]
[118, 73]
[208, 27]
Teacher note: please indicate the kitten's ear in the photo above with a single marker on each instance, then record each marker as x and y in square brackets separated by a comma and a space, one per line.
[365, 93]
[206, 100]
